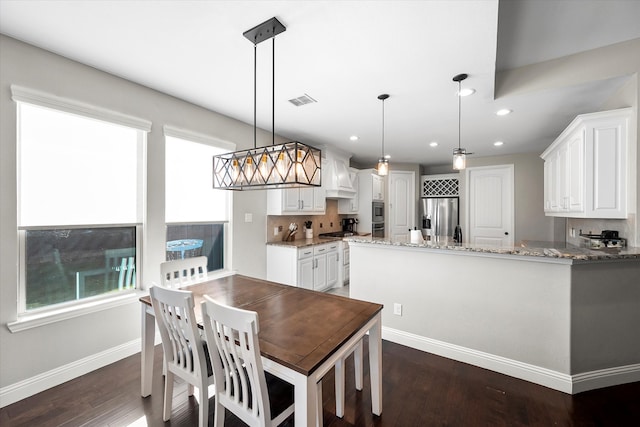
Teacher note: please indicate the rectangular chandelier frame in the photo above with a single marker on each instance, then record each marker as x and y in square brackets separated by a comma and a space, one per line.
[288, 165]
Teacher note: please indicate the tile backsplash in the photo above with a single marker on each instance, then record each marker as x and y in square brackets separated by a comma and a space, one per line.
[625, 228]
[326, 223]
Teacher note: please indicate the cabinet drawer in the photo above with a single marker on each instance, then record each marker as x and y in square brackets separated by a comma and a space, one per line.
[320, 249]
[305, 253]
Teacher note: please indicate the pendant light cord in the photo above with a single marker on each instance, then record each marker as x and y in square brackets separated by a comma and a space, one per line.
[459, 113]
[273, 91]
[255, 86]
[383, 128]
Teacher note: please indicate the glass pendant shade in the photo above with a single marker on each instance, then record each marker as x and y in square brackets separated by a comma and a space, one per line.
[459, 159]
[383, 167]
[288, 165]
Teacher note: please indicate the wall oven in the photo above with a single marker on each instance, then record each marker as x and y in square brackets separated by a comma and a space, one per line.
[377, 229]
[377, 212]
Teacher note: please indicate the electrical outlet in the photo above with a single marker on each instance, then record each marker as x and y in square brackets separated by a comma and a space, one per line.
[248, 217]
[397, 309]
[572, 232]
[275, 231]
[330, 224]
[320, 225]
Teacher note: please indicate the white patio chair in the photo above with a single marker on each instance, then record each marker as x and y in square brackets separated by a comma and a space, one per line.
[241, 383]
[182, 272]
[185, 353]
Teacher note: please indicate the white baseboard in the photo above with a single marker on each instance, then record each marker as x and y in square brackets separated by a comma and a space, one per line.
[570, 384]
[20, 390]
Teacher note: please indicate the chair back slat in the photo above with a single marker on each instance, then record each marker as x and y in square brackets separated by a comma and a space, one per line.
[183, 272]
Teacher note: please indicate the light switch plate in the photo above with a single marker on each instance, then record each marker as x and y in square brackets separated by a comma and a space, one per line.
[397, 309]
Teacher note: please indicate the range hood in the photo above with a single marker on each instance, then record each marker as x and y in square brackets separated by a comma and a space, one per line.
[336, 179]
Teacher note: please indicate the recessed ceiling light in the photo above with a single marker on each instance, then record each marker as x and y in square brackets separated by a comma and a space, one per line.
[433, 144]
[498, 143]
[503, 112]
[353, 137]
[387, 156]
[466, 92]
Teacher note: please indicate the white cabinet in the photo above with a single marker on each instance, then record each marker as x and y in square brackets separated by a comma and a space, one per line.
[296, 201]
[586, 168]
[306, 268]
[350, 206]
[311, 267]
[377, 187]
[370, 189]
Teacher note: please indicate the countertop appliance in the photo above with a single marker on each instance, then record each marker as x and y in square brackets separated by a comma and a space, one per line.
[606, 239]
[439, 216]
[349, 224]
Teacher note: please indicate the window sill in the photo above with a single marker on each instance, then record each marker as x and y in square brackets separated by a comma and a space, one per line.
[30, 320]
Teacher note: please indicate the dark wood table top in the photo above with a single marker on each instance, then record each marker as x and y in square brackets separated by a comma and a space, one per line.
[299, 328]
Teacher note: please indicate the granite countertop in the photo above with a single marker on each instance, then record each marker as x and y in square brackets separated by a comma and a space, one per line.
[568, 252]
[301, 242]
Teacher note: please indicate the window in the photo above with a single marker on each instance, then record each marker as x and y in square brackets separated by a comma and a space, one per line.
[80, 193]
[197, 215]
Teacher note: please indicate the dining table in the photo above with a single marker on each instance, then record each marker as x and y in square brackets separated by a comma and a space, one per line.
[302, 334]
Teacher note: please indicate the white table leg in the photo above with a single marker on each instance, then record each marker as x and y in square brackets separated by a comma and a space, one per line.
[375, 365]
[339, 370]
[148, 329]
[306, 401]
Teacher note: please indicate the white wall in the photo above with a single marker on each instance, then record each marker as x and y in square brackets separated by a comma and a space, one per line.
[27, 354]
[530, 220]
[568, 326]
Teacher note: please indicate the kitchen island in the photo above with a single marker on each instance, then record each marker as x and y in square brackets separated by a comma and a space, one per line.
[566, 318]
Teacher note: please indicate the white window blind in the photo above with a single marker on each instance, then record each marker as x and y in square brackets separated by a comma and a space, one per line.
[75, 170]
[190, 196]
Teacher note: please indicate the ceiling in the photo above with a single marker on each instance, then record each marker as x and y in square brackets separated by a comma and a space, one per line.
[344, 54]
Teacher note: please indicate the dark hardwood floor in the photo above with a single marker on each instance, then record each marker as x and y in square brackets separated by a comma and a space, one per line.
[419, 389]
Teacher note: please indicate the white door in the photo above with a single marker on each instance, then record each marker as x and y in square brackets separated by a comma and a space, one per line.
[402, 204]
[490, 205]
[320, 272]
[333, 262]
[305, 273]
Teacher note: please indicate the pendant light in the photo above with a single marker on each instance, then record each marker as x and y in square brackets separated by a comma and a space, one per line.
[383, 162]
[287, 165]
[459, 154]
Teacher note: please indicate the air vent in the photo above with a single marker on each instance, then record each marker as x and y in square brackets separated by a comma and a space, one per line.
[302, 100]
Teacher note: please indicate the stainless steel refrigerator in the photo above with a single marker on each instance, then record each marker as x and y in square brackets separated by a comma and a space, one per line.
[439, 217]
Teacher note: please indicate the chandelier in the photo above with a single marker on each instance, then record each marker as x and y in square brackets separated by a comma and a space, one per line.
[287, 165]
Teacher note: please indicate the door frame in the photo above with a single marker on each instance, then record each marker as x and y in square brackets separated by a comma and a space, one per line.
[467, 197]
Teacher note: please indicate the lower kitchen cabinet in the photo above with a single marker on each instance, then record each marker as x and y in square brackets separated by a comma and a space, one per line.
[311, 267]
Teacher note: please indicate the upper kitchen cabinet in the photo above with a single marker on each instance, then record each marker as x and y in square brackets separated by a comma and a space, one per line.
[371, 186]
[586, 167]
[350, 206]
[296, 201]
[336, 178]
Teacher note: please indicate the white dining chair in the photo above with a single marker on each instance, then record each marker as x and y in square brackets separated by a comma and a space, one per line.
[182, 272]
[241, 382]
[185, 353]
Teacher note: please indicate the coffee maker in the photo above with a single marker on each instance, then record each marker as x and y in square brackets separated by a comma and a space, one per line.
[349, 224]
